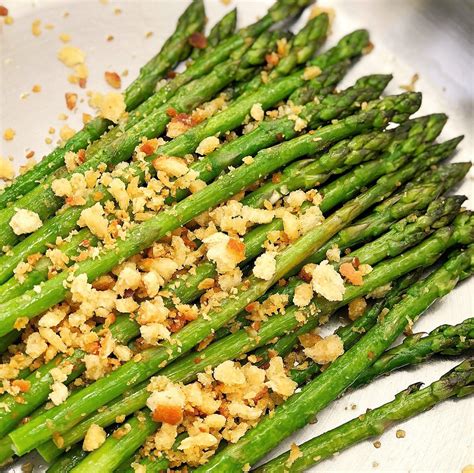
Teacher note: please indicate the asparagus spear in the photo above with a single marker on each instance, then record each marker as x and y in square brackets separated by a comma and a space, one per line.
[374, 422]
[415, 196]
[242, 339]
[175, 49]
[208, 168]
[44, 202]
[199, 329]
[299, 409]
[68, 460]
[445, 340]
[141, 236]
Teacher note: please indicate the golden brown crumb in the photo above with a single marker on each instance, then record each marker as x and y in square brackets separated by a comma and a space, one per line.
[66, 132]
[400, 434]
[411, 86]
[295, 453]
[36, 27]
[36, 89]
[94, 438]
[6, 169]
[9, 134]
[327, 282]
[113, 79]
[325, 350]
[71, 100]
[9, 20]
[357, 308]
[65, 38]
[3, 11]
[377, 444]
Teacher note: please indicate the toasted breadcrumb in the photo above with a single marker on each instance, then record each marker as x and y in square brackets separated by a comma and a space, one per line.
[256, 112]
[25, 221]
[7, 171]
[208, 145]
[93, 218]
[325, 350]
[9, 134]
[303, 295]
[95, 437]
[327, 282]
[265, 266]
[110, 106]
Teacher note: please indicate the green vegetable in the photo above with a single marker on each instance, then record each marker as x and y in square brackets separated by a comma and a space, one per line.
[301, 408]
[71, 411]
[412, 401]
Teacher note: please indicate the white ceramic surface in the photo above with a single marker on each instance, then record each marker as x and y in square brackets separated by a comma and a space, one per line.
[432, 38]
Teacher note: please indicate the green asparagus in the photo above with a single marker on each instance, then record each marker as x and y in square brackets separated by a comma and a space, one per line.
[299, 409]
[374, 422]
[199, 329]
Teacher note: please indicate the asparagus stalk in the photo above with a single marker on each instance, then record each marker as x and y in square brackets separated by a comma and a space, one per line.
[175, 49]
[445, 340]
[208, 168]
[44, 202]
[199, 329]
[141, 236]
[374, 422]
[299, 409]
[416, 196]
[68, 460]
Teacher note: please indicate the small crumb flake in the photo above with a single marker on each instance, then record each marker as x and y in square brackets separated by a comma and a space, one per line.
[113, 79]
[110, 106]
[36, 27]
[9, 134]
[36, 89]
[377, 444]
[94, 438]
[3, 11]
[65, 37]
[71, 100]
[71, 56]
[411, 86]
[6, 169]
[400, 434]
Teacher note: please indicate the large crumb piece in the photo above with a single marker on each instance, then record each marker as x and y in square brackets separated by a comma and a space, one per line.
[71, 56]
[327, 282]
[113, 79]
[95, 437]
[6, 169]
[25, 221]
[110, 106]
[265, 266]
[226, 252]
[93, 218]
[325, 350]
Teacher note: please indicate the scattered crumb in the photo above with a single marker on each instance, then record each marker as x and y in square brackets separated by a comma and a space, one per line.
[36, 89]
[9, 134]
[110, 106]
[3, 11]
[94, 438]
[113, 79]
[377, 444]
[66, 132]
[110, 38]
[71, 100]
[149, 34]
[411, 86]
[25, 221]
[117, 11]
[6, 169]
[36, 27]
[65, 38]
[400, 434]
[9, 20]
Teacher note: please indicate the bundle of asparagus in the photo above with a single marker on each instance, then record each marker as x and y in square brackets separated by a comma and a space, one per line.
[161, 291]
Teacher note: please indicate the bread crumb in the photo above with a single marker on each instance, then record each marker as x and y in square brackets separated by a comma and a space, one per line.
[7, 171]
[113, 79]
[66, 132]
[327, 282]
[256, 112]
[208, 145]
[295, 453]
[110, 106]
[303, 295]
[411, 86]
[36, 89]
[71, 100]
[357, 308]
[36, 27]
[25, 221]
[93, 218]
[311, 72]
[265, 266]
[65, 38]
[95, 437]
[325, 350]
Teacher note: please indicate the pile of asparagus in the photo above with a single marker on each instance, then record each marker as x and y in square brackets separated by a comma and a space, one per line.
[384, 203]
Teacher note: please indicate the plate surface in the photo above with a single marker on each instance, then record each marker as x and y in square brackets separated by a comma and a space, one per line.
[431, 38]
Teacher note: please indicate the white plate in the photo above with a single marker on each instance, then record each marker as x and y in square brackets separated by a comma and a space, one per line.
[431, 38]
